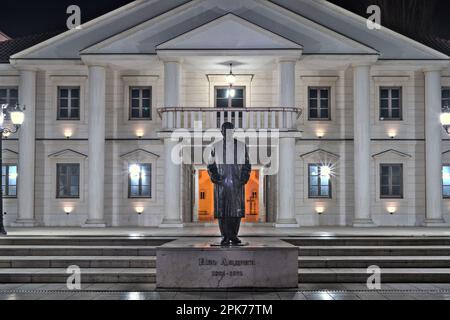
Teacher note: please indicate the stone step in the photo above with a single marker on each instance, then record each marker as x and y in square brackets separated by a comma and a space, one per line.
[380, 261]
[374, 251]
[368, 241]
[53, 250]
[388, 275]
[82, 262]
[91, 241]
[89, 275]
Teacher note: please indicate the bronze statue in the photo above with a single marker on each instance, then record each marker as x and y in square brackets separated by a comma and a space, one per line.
[2, 227]
[229, 169]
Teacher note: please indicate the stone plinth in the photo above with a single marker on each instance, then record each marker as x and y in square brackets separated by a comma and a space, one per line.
[194, 264]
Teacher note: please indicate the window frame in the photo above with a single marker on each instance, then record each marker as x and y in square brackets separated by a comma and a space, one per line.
[442, 97]
[389, 99]
[7, 185]
[230, 99]
[8, 97]
[150, 185]
[58, 196]
[69, 103]
[330, 190]
[390, 196]
[141, 98]
[319, 99]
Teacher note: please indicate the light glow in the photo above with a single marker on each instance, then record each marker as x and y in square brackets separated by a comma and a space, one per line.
[139, 133]
[139, 210]
[68, 133]
[320, 210]
[17, 117]
[320, 134]
[68, 210]
[392, 134]
[135, 170]
[392, 210]
[445, 119]
[325, 171]
[231, 93]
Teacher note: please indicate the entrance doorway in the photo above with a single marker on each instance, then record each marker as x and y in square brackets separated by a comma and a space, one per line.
[205, 198]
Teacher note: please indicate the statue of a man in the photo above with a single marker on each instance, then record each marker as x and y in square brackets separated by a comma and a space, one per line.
[229, 168]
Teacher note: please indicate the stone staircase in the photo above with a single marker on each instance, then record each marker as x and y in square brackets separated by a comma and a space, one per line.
[133, 260]
[101, 259]
[346, 259]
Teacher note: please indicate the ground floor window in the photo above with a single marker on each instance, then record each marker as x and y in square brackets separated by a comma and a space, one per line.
[391, 180]
[446, 181]
[140, 181]
[9, 181]
[319, 181]
[68, 180]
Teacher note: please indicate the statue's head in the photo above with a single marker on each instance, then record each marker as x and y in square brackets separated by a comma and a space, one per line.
[225, 127]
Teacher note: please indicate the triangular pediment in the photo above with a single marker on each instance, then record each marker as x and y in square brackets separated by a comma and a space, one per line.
[139, 155]
[68, 153]
[229, 32]
[391, 152]
[320, 153]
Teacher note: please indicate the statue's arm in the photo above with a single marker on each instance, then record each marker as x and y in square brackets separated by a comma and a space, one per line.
[213, 171]
[246, 169]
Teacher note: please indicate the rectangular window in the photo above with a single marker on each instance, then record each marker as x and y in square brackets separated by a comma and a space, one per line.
[390, 103]
[9, 181]
[141, 103]
[227, 97]
[319, 183]
[68, 181]
[319, 103]
[391, 181]
[140, 181]
[68, 103]
[10, 96]
[445, 99]
[446, 181]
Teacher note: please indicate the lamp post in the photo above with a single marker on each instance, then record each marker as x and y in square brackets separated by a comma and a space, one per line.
[11, 118]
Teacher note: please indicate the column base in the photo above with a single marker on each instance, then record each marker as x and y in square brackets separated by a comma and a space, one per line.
[363, 223]
[171, 224]
[94, 223]
[287, 223]
[24, 223]
[435, 223]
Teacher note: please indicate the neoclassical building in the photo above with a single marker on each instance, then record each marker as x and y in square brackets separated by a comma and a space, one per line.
[357, 113]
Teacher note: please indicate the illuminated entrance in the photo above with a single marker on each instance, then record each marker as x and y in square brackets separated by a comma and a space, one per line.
[205, 198]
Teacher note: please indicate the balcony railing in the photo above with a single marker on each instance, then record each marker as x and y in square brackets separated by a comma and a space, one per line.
[242, 118]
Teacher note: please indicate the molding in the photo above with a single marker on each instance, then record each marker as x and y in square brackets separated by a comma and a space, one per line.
[401, 154]
[62, 153]
[333, 155]
[138, 152]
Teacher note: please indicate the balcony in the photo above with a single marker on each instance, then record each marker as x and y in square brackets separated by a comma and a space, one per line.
[284, 119]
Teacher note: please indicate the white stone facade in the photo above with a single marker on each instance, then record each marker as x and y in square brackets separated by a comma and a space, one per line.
[182, 68]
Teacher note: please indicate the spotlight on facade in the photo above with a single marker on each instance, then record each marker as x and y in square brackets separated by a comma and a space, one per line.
[392, 134]
[134, 170]
[445, 120]
[68, 133]
[325, 171]
[6, 135]
[320, 210]
[392, 210]
[320, 134]
[139, 210]
[140, 133]
[68, 210]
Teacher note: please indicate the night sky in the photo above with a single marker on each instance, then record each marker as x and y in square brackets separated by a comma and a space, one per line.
[20, 17]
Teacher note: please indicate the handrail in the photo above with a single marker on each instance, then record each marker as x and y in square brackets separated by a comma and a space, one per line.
[299, 111]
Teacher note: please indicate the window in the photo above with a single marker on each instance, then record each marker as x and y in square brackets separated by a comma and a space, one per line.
[319, 183]
[446, 181]
[391, 177]
[227, 97]
[68, 181]
[202, 195]
[445, 98]
[140, 181]
[140, 103]
[319, 103]
[10, 96]
[9, 181]
[390, 103]
[68, 103]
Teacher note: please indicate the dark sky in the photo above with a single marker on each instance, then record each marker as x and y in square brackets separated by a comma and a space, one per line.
[24, 17]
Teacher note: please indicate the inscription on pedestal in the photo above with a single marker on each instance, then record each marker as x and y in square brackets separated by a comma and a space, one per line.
[193, 263]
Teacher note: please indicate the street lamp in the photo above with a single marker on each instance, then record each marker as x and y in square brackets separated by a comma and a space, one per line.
[11, 118]
[445, 119]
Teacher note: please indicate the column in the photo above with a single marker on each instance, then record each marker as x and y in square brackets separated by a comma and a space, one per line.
[361, 97]
[433, 149]
[172, 170]
[286, 187]
[97, 85]
[27, 138]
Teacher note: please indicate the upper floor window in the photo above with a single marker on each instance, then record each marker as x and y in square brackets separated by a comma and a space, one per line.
[68, 180]
[446, 181]
[445, 98]
[319, 182]
[10, 96]
[390, 103]
[140, 181]
[227, 97]
[391, 181]
[68, 103]
[140, 103]
[9, 181]
[319, 103]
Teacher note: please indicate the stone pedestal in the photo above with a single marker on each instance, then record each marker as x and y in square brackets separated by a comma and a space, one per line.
[195, 264]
